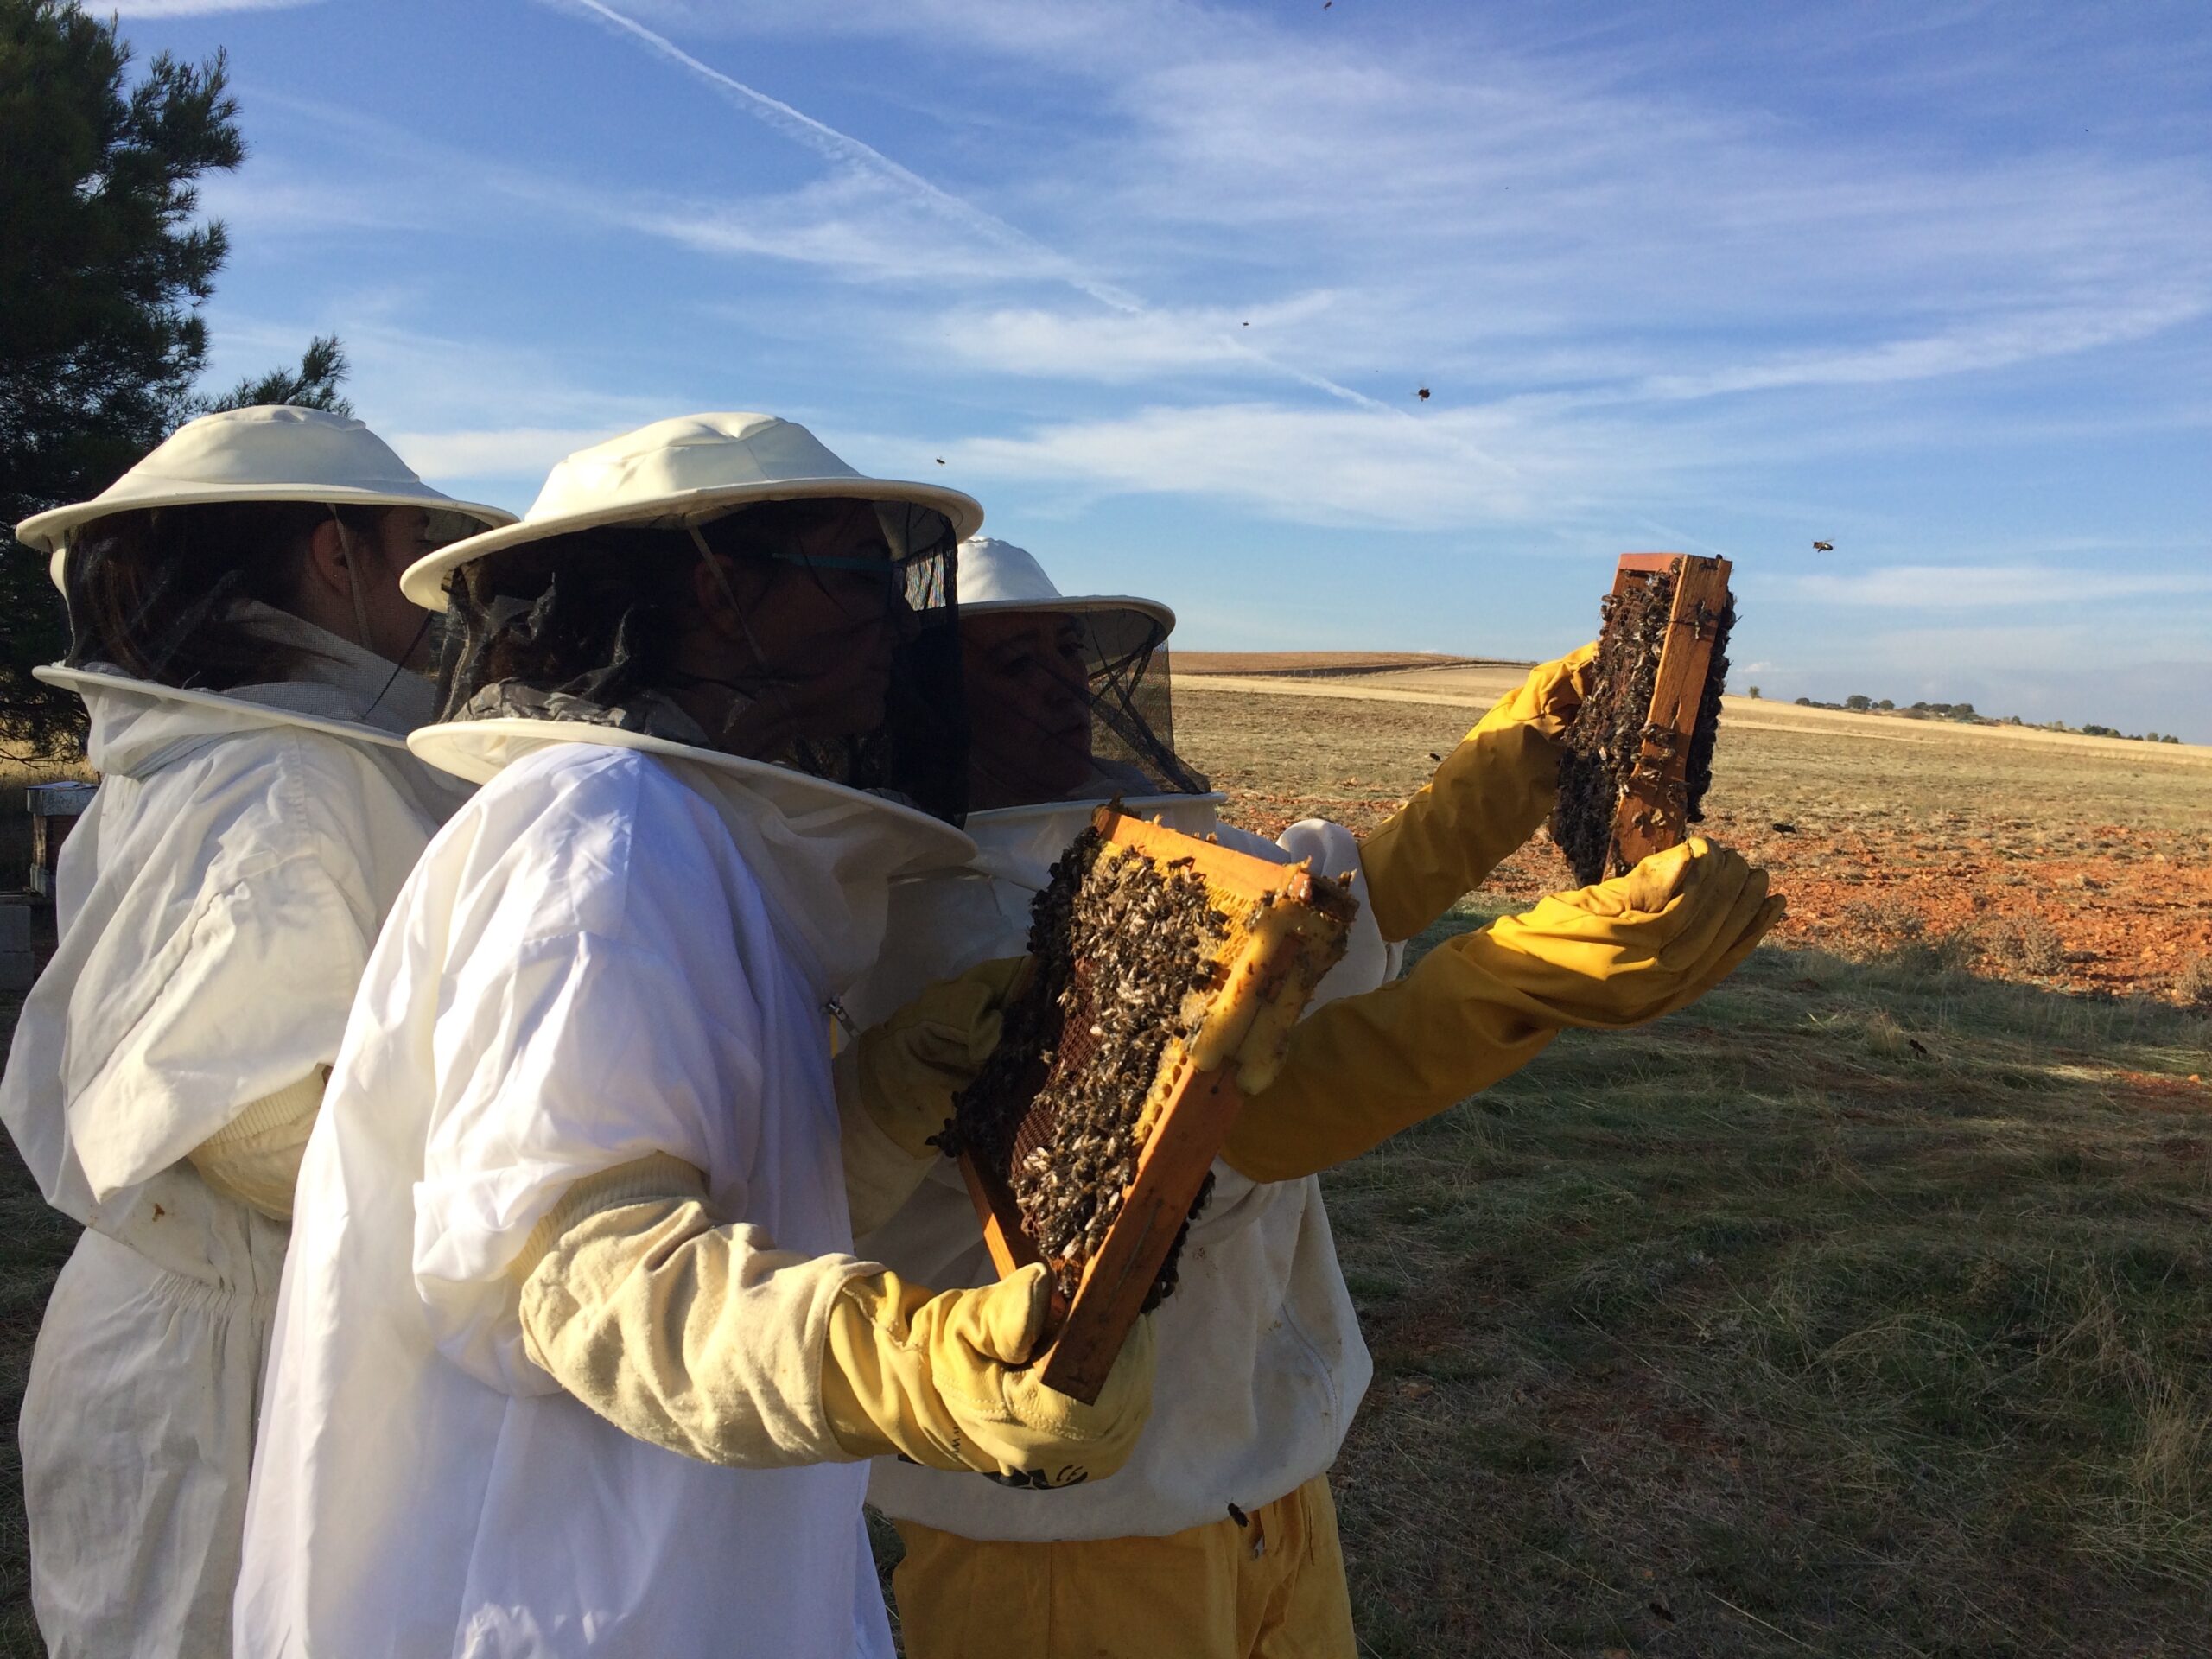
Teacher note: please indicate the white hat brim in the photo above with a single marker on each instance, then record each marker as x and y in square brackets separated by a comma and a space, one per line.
[1078, 606]
[424, 581]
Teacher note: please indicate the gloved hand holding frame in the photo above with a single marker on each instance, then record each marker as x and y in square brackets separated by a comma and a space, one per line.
[1169, 973]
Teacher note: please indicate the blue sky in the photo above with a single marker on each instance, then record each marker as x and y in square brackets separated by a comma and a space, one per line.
[1158, 282]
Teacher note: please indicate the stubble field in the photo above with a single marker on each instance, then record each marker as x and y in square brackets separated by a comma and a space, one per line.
[1864, 1308]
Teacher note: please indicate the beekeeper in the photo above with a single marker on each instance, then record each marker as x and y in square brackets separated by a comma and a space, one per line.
[1219, 1537]
[250, 666]
[573, 1352]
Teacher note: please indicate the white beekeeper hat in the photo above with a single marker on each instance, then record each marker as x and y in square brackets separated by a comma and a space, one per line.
[997, 575]
[270, 453]
[682, 472]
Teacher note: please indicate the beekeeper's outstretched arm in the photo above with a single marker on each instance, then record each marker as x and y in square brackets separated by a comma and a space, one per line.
[644, 1305]
[1480, 1007]
[1488, 797]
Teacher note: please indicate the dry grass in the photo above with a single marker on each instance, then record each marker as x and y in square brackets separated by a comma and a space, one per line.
[2194, 982]
[1867, 1307]
[1864, 1309]
[2101, 850]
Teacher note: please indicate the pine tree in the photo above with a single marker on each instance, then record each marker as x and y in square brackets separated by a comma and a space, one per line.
[102, 267]
[314, 385]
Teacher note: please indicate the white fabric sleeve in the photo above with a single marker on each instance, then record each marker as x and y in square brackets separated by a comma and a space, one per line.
[245, 995]
[575, 1055]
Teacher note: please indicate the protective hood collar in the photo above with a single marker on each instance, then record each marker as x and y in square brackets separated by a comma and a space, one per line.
[997, 576]
[679, 473]
[139, 726]
[272, 453]
[803, 836]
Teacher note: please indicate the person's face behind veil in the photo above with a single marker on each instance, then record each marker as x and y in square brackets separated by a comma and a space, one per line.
[812, 640]
[1026, 678]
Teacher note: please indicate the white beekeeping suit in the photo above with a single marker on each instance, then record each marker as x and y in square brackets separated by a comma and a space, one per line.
[215, 904]
[561, 1361]
[425, 1487]
[1260, 1356]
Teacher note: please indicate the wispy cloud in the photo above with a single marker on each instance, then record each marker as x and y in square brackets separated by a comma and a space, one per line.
[1668, 285]
[450, 406]
[1973, 346]
[842, 151]
[1122, 347]
[962, 216]
[1992, 587]
[284, 201]
[1332, 466]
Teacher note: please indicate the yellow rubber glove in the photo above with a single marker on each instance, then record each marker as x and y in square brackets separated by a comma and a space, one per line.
[699, 1335]
[907, 1070]
[1480, 1007]
[895, 1084]
[936, 1377]
[1488, 796]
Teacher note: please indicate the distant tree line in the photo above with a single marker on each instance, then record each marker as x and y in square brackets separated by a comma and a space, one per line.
[1965, 714]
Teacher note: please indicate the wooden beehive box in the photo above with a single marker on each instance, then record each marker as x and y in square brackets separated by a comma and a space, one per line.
[1635, 767]
[1169, 973]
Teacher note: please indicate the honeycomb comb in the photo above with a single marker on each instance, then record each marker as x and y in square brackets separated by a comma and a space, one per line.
[1638, 758]
[1169, 973]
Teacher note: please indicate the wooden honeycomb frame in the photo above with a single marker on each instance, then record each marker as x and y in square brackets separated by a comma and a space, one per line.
[1193, 1098]
[1653, 812]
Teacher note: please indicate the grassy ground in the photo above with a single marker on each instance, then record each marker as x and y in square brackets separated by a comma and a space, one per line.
[1864, 1309]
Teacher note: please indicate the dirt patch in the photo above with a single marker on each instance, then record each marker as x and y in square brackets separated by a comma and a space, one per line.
[1971, 835]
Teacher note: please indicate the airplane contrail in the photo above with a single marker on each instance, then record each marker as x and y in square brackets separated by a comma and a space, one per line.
[842, 148]
[833, 145]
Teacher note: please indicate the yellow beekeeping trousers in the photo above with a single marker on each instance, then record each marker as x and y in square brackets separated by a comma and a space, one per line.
[1271, 1589]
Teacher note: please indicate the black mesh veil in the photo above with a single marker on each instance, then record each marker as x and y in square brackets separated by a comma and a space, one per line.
[1070, 703]
[588, 626]
[1132, 702]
